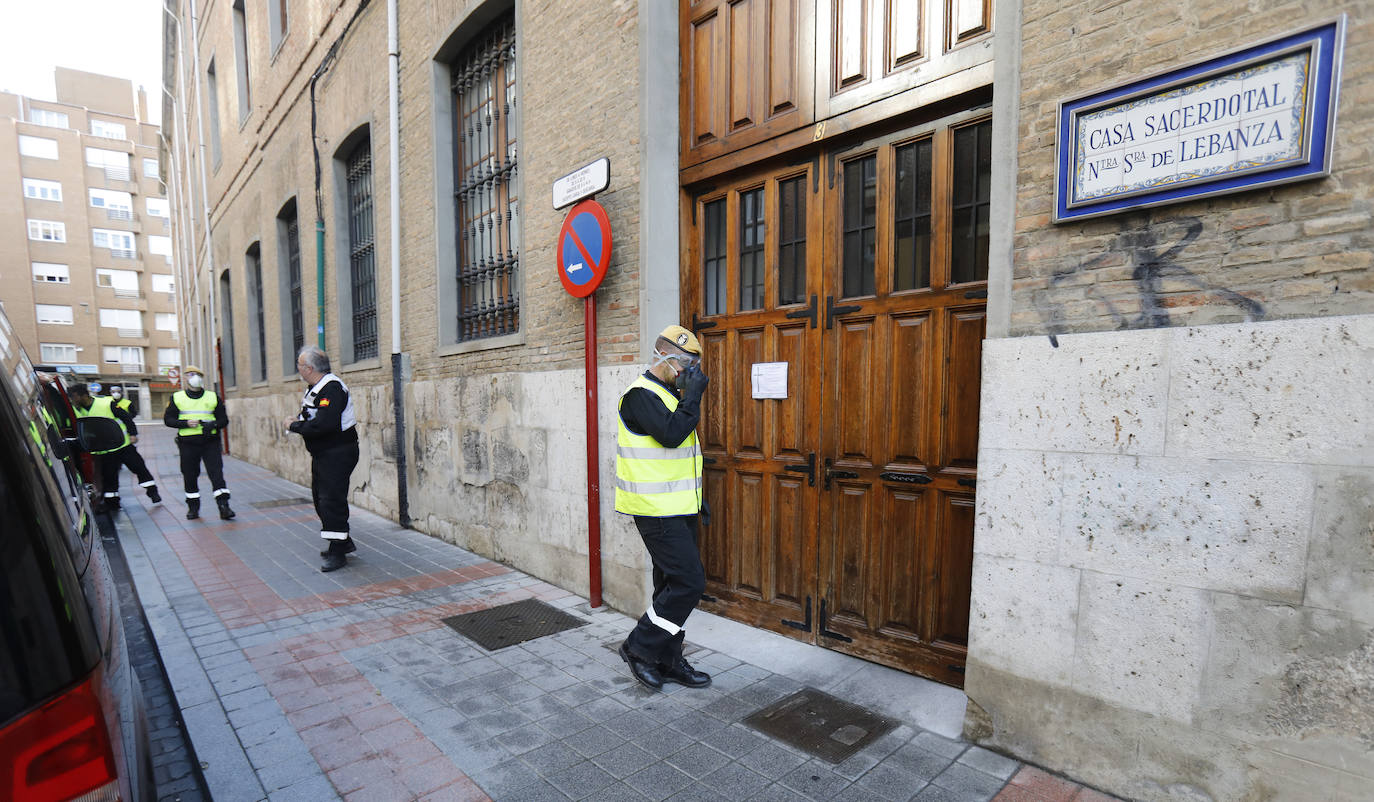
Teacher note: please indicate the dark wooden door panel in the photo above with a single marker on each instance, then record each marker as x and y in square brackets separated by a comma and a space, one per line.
[746, 72]
[849, 503]
[954, 565]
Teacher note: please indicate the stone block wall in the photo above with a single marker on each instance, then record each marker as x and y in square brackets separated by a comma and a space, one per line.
[1173, 559]
[1300, 250]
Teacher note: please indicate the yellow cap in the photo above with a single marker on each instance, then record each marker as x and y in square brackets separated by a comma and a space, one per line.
[685, 340]
[193, 369]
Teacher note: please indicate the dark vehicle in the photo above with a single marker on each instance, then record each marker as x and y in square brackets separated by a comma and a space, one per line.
[72, 721]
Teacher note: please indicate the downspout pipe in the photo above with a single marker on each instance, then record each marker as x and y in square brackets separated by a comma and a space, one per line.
[393, 59]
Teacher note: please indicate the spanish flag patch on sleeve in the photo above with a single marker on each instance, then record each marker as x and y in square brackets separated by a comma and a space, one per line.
[324, 402]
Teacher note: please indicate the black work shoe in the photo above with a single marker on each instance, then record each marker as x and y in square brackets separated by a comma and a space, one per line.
[682, 673]
[333, 562]
[154, 496]
[192, 509]
[646, 674]
[224, 512]
[345, 547]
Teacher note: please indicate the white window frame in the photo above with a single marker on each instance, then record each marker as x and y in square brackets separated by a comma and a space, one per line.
[49, 118]
[51, 273]
[168, 318]
[108, 129]
[117, 205]
[45, 314]
[162, 282]
[115, 163]
[47, 230]
[68, 351]
[121, 319]
[37, 147]
[116, 279]
[120, 243]
[164, 353]
[151, 168]
[121, 355]
[41, 189]
[157, 207]
[160, 245]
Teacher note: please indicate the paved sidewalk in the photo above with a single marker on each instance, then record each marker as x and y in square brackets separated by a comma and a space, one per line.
[299, 685]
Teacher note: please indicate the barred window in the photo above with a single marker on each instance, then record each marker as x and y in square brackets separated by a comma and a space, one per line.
[253, 261]
[362, 256]
[288, 229]
[487, 192]
[226, 338]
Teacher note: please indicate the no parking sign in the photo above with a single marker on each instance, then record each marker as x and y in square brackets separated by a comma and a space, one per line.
[584, 248]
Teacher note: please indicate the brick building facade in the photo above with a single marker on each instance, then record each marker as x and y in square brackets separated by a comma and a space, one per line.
[1170, 546]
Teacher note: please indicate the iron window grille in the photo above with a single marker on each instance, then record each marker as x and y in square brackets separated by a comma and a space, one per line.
[362, 256]
[293, 268]
[485, 187]
[259, 313]
[229, 375]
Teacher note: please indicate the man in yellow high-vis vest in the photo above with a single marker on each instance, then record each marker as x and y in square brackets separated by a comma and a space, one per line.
[658, 481]
[108, 462]
[198, 416]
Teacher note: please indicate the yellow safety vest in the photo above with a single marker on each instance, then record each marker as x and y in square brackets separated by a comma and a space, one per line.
[195, 414]
[125, 404]
[650, 479]
[102, 408]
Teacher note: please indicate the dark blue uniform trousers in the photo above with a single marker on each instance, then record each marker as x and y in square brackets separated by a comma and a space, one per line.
[679, 580]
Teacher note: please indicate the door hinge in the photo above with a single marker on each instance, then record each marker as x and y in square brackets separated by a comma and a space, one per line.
[966, 482]
[976, 294]
[707, 598]
[805, 624]
[826, 633]
[809, 469]
[831, 473]
[908, 478]
[956, 669]
[832, 311]
[809, 312]
[697, 325]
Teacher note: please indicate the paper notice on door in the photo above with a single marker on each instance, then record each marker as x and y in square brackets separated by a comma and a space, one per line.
[770, 379]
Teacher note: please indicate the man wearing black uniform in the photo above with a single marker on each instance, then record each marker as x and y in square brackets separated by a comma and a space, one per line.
[327, 425]
[198, 416]
[658, 480]
[126, 454]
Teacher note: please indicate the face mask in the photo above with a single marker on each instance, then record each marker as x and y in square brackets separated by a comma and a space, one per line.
[116, 394]
[679, 369]
[194, 381]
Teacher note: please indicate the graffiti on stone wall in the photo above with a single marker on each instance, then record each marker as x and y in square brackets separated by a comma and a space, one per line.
[1152, 252]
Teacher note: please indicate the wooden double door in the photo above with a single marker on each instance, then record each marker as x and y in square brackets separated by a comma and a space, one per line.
[843, 513]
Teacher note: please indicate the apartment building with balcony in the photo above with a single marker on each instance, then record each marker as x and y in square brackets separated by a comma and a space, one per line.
[86, 273]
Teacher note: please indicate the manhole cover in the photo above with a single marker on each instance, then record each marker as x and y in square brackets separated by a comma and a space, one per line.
[509, 624]
[820, 725]
[280, 502]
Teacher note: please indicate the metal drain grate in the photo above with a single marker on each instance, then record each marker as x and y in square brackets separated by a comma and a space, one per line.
[509, 624]
[280, 502]
[820, 725]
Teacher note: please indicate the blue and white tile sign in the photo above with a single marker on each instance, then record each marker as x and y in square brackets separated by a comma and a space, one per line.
[1256, 117]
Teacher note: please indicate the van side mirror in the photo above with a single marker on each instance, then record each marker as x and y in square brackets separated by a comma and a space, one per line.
[99, 434]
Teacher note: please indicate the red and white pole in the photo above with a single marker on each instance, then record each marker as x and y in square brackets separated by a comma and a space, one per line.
[593, 459]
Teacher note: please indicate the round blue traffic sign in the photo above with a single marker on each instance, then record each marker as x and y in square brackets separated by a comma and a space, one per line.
[584, 248]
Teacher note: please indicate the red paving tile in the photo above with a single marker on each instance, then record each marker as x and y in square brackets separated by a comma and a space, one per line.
[429, 777]
[410, 753]
[1044, 785]
[1091, 795]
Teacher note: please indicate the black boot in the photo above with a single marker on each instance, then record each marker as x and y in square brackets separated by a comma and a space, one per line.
[153, 495]
[192, 509]
[334, 558]
[348, 547]
[224, 512]
[676, 668]
[643, 672]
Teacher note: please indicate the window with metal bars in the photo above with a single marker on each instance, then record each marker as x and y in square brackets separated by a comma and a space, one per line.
[753, 229]
[288, 229]
[713, 256]
[860, 220]
[486, 117]
[226, 300]
[253, 261]
[362, 255]
[972, 207]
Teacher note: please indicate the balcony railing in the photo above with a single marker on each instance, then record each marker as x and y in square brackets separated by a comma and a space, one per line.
[113, 173]
[133, 333]
[132, 367]
[122, 253]
[134, 294]
[121, 214]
